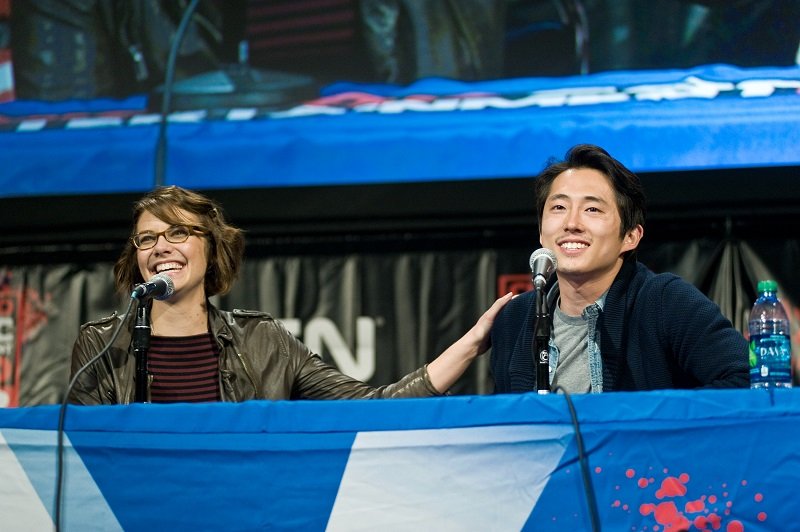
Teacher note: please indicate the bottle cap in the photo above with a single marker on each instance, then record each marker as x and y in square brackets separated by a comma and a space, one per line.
[767, 286]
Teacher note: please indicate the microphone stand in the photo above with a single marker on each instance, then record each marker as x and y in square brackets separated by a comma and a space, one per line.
[541, 343]
[141, 344]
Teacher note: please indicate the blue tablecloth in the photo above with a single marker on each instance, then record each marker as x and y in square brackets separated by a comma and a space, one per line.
[676, 460]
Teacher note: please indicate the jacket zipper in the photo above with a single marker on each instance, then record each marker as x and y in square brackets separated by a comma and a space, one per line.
[249, 375]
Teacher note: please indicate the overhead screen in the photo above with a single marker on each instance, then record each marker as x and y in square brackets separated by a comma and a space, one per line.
[709, 117]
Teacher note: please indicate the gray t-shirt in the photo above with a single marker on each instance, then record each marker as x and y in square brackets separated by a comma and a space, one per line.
[570, 336]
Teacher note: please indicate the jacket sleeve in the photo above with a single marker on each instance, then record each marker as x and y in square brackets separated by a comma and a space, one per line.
[99, 382]
[505, 332]
[704, 342]
[86, 389]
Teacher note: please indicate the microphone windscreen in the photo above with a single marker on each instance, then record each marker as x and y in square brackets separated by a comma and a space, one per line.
[542, 253]
[169, 285]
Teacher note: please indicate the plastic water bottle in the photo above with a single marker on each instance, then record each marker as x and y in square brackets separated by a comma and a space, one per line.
[770, 341]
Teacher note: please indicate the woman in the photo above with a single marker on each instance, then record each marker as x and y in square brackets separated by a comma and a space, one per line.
[200, 353]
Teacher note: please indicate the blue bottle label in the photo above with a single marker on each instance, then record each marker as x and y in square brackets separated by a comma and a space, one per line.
[770, 358]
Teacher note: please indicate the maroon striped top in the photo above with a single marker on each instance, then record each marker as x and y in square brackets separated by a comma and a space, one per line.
[300, 30]
[184, 369]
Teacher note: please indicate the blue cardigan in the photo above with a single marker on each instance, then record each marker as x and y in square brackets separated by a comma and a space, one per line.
[656, 331]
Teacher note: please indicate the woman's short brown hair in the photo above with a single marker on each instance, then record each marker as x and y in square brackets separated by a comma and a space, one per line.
[224, 242]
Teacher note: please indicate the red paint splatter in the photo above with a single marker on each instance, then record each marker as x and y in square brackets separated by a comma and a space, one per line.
[694, 507]
[667, 514]
[671, 487]
[598, 469]
[700, 522]
[669, 517]
[735, 526]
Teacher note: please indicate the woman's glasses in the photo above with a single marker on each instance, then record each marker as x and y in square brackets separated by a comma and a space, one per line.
[175, 234]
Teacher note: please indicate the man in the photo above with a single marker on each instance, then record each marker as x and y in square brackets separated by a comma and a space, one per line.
[616, 324]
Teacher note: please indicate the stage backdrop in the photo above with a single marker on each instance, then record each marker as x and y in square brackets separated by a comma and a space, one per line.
[376, 316]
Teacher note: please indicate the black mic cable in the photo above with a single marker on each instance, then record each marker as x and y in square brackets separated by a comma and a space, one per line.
[588, 488]
[166, 97]
[62, 415]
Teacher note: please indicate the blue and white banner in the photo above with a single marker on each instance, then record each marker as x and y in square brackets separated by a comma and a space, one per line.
[715, 116]
[696, 460]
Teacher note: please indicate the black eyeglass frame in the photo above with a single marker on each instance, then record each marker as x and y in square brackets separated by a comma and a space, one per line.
[190, 230]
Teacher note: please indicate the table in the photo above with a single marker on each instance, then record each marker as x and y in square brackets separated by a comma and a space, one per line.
[667, 460]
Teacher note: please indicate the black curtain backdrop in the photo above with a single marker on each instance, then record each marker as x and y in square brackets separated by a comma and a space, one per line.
[376, 315]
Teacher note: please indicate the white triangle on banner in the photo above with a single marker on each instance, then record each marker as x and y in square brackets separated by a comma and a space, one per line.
[20, 505]
[478, 478]
[27, 485]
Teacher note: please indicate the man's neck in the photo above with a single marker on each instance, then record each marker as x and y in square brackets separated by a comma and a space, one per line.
[577, 292]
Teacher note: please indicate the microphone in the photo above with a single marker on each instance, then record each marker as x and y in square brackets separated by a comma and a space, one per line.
[160, 286]
[543, 264]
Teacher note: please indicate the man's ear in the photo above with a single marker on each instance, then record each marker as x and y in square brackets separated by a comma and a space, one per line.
[632, 238]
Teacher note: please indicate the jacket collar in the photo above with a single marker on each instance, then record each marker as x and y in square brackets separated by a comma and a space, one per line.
[613, 323]
[217, 324]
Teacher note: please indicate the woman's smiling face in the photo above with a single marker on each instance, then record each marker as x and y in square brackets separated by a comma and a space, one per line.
[185, 262]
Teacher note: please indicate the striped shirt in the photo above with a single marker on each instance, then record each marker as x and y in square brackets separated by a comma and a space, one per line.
[184, 369]
[298, 31]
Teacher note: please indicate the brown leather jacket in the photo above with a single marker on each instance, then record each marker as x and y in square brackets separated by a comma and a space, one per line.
[259, 359]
